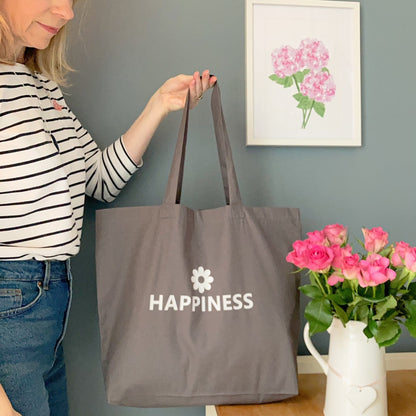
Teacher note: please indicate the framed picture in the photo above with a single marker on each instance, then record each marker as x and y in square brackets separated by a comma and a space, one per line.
[303, 73]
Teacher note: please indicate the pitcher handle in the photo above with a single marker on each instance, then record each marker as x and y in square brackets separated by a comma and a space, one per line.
[313, 350]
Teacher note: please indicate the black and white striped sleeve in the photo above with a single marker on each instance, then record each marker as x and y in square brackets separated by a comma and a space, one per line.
[108, 170]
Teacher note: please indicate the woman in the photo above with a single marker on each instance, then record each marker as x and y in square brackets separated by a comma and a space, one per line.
[48, 162]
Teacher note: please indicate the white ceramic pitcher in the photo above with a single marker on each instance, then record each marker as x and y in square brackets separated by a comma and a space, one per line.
[356, 371]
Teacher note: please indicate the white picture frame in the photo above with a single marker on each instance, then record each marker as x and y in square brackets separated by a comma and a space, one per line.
[303, 73]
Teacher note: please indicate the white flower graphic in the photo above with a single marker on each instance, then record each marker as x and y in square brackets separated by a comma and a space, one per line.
[202, 279]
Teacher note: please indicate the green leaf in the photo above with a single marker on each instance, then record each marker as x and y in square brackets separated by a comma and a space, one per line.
[347, 294]
[400, 280]
[411, 308]
[325, 69]
[387, 332]
[411, 322]
[305, 103]
[311, 291]
[411, 326]
[412, 289]
[341, 313]
[383, 307]
[319, 315]
[368, 333]
[362, 312]
[275, 78]
[354, 308]
[299, 76]
[391, 314]
[386, 251]
[278, 80]
[319, 108]
[338, 298]
[288, 82]
[373, 300]
[358, 299]
[342, 296]
[381, 291]
[392, 340]
[298, 96]
[372, 294]
[372, 326]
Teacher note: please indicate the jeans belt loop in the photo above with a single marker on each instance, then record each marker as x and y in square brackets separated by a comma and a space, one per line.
[47, 276]
[68, 269]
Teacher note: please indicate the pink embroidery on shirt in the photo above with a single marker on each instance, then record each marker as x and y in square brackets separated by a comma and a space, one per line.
[56, 105]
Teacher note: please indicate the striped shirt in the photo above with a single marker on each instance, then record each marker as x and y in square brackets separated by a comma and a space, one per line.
[48, 162]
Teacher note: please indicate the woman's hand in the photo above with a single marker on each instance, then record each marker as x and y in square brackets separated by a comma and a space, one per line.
[199, 85]
[172, 94]
[6, 408]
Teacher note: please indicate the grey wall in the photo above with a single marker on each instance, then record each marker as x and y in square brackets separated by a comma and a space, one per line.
[124, 50]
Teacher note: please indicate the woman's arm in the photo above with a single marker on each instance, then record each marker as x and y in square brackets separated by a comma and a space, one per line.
[6, 408]
[171, 96]
[109, 170]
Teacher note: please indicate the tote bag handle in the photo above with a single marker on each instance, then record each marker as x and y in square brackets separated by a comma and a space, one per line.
[229, 178]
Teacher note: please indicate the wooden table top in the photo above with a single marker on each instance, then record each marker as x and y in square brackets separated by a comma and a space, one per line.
[401, 393]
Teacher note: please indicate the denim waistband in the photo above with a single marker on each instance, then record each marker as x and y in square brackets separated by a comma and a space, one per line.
[28, 270]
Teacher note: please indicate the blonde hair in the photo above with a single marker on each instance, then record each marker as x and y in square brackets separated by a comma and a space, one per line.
[51, 62]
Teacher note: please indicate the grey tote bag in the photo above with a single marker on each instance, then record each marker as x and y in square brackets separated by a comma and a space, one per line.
[197, 307]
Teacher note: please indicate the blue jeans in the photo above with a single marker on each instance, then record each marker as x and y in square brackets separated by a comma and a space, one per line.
[35, 297]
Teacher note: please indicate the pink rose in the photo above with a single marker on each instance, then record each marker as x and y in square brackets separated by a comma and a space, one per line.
[351, 266]
[284, 61]
[336, 234]
[317, 237]
[334, 279]
[399, 254]
[319, 258]
[339, 254]
[410, 259]
[375, 239]
[318, 86]
[375, 271]
[312, 54]
[346, 263]
[298, 256]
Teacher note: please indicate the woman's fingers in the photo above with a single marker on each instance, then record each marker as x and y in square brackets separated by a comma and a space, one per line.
[199, 85]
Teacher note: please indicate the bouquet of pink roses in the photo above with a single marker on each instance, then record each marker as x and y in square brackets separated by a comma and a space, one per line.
[376, 287]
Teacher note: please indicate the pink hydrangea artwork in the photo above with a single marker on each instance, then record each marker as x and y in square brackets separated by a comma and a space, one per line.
[307, 68]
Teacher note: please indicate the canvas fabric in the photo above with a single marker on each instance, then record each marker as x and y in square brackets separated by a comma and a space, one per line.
[197, 307]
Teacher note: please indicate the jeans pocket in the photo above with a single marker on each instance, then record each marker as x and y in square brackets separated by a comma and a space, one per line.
[10, 299]
[17, 298]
